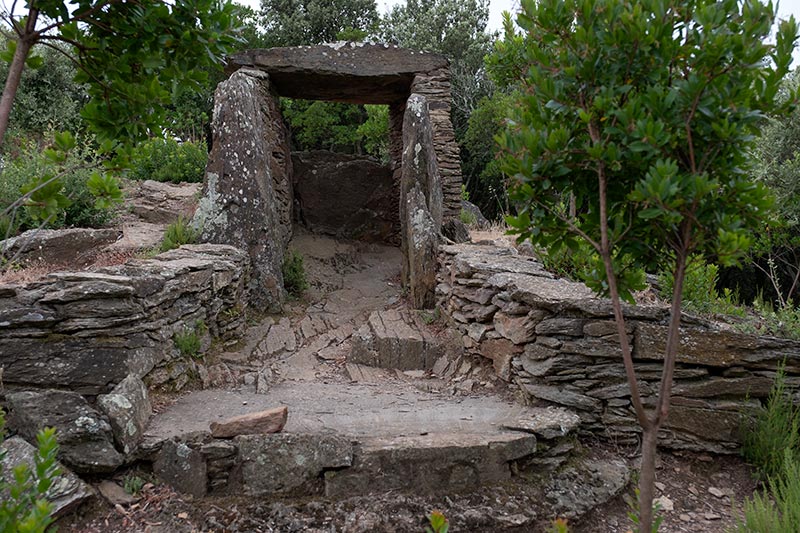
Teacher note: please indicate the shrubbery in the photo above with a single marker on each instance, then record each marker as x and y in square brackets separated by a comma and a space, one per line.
[294, 274]
[178, 233]
[168, 160]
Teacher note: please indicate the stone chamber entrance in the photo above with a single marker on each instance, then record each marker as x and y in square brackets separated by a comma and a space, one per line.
[255, 187]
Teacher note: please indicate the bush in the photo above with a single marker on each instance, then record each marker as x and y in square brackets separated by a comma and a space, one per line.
[188, 341]
[700, 289]
[775, 429]
[294, 274]
[24, 507]
[780, 321]
[178, 233]
[30, 164]
[778, 510]
[169, 161]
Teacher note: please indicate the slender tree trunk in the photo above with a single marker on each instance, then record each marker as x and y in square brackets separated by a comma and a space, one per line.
[24, 44]
[647, 478]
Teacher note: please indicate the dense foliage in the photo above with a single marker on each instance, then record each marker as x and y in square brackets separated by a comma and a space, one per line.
[169, 160]
[633, 135]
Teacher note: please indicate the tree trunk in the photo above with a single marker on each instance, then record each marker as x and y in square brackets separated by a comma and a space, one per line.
[647, 478]
[24, 45]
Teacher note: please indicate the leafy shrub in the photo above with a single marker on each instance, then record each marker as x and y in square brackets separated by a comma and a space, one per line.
[294, 274]
[133, 484]
[775, 429]
[24, 507]
[178, 233]
[700, 289]
[169, 161]
[76, 191]
[778, 510]
[374, 132]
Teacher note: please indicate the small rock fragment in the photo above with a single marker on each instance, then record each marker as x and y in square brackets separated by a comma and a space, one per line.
[269, 421]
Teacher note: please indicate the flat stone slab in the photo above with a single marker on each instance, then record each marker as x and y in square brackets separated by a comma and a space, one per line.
[387, 410]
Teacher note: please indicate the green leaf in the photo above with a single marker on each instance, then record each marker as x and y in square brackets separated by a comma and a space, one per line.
[35, 62]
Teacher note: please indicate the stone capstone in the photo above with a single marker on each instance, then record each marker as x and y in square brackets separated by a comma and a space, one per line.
[262, 422]
[351, 197]
[247, 194]
[86, 442]
[66, 493]
[128, 409]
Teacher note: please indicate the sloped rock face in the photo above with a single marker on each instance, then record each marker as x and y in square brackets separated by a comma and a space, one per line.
[84, 436]
[247, 194]
[347, 196]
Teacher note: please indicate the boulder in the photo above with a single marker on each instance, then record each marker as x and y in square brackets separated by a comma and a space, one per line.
[578, 489]
[128, 409]
[161, 203]
[247, 194]
[67, 491]
[86, 442]
[349, 196]
[481, 221]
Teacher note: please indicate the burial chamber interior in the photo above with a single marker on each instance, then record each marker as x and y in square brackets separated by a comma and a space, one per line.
[256, 187]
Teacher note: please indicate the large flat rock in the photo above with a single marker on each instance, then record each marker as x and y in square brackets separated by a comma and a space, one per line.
[341, 72]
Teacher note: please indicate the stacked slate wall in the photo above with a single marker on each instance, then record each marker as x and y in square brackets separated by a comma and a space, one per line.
[557, 343]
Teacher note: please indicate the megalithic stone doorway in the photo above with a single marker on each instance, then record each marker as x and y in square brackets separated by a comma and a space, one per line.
[247, 198]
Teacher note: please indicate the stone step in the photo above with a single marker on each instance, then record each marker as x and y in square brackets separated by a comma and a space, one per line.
[345, 440]
[398, 339]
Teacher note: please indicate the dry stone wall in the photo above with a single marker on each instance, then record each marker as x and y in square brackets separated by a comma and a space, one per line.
[557, 343]
[88, 331]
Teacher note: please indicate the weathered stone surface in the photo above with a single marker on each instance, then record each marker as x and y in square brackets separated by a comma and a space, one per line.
[284, 462]
[61, 246]
[394, 339]
[501, 352]
[548, 424]
[87, 331]
[67, 491]
[159, 202]
[455, 230]
[348, 196]
[422, 240]
[115, 494]
[262, 422]
[580, 488]
[341, 72]
[247, 194]
[128, 409]
[517, 329]
[428, 463]
[182, 467]
[563, 397]
[84, 436]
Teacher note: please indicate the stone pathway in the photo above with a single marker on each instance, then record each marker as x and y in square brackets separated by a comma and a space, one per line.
[380, 395]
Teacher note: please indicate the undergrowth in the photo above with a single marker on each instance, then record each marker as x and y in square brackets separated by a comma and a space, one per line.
[178, 233]
[294, 274]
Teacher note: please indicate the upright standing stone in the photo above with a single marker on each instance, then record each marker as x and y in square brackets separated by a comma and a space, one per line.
[420, 203]
[247, 195]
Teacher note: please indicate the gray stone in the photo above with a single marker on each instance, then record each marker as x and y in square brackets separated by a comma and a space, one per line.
[284, 462]
[578, 489]
[128, 409]
[481, 221]
[572, 327]
[563, 397]
[429, 463]
[67, 491]
[394, 339]
[62, 246]
[247, 194]
[517, 329]
[455, 230]
[548, 424]
[85, 438]
[182, 467]
[261, 422]
[347, 196]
